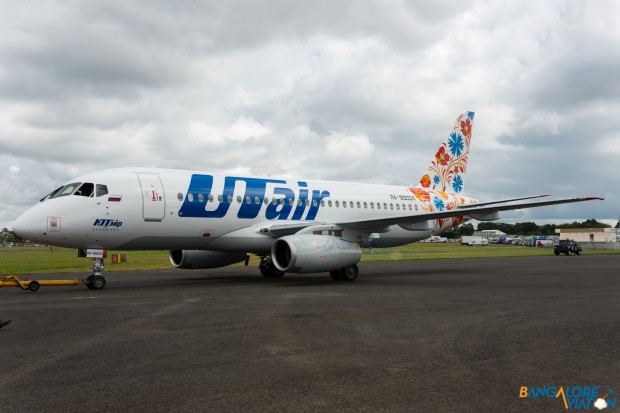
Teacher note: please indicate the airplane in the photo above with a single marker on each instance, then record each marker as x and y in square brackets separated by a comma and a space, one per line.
[209, 220]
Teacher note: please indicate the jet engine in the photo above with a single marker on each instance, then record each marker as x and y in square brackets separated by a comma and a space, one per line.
[313, 253]
[199, 259]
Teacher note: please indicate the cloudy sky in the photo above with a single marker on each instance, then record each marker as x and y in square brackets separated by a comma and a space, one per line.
[358, 91]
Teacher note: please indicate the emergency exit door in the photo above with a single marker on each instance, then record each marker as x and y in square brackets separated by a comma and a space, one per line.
[153, 199]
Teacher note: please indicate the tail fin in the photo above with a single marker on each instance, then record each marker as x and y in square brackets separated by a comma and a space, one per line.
[446, 171]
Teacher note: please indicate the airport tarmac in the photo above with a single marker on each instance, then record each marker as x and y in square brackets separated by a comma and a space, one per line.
[445, 335]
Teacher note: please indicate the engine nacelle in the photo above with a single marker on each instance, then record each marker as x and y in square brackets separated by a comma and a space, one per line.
[313, 253]
[199, 259]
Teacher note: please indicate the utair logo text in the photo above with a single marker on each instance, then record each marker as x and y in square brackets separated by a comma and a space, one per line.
[277, 199]
[107, 223]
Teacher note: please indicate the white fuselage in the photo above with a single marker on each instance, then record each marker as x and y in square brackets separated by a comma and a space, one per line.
[164, 209]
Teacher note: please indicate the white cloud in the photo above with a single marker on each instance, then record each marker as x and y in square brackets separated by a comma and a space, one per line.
[281, 87]
[349, 150]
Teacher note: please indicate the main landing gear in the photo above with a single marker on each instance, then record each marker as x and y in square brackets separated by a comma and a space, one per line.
[349, 273]
[96, 281]
[269, 270]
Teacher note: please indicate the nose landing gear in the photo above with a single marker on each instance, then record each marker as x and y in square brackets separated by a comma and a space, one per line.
[96, 281]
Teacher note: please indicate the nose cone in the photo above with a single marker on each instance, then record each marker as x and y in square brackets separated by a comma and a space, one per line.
[30, 225]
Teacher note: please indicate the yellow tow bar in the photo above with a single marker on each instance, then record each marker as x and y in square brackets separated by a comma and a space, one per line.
[33, 285]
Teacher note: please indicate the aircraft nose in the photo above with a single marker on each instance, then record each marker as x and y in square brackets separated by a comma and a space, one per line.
[29, 226]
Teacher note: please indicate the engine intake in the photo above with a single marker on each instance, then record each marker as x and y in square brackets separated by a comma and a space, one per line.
[309, 253]
[199, 259]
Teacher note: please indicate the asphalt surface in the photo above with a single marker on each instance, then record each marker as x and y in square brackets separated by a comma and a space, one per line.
[447, 335]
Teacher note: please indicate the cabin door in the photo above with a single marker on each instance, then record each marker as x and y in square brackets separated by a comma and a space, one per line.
[153, 199]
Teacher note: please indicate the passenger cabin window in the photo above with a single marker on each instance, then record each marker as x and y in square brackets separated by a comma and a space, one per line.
[86, 189]
[101, 190]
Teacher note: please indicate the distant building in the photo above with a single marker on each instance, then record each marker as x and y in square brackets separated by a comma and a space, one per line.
[589, 234]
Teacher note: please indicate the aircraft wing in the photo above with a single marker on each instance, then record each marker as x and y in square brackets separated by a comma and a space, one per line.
[280, 230]
[486, 210]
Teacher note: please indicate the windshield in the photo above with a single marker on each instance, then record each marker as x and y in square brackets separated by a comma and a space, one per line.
[65, 190]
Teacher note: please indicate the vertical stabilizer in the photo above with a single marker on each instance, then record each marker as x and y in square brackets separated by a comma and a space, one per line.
[446, 171]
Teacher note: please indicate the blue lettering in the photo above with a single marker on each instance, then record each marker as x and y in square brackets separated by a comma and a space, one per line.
[201, 186]
[281, 209]
[301, 202]
[317, 197]
[254, 188]
[107, 223]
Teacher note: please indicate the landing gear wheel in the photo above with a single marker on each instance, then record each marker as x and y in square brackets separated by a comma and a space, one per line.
[268, 270]
[95, 282]
[335, 275]
[33, 286]
[349, 273]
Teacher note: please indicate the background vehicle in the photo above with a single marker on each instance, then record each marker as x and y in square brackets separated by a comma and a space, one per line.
[567, 247]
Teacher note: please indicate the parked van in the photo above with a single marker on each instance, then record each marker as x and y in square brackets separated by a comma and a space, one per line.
[479, 241]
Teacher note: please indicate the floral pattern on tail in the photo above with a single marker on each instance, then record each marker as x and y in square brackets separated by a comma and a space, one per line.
[439, 187]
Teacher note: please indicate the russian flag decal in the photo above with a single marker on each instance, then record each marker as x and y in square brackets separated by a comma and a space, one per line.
[115, 198]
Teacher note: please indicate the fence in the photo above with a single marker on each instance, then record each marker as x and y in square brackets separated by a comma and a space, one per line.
[590, 246]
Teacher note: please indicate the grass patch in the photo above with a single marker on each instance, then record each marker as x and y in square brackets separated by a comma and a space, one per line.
[43, 260]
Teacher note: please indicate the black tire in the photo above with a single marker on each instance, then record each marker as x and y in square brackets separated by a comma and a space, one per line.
[268, 270]
[349, 273]
[556, 253]
[335, 275]
[97, 282]
[272, 274]
[34, 286]
[578, 252]
[567, 252]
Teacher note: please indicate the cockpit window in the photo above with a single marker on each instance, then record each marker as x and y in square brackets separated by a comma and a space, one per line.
[86, 189]
[50, 195]
[65, 190]
[101, 190]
